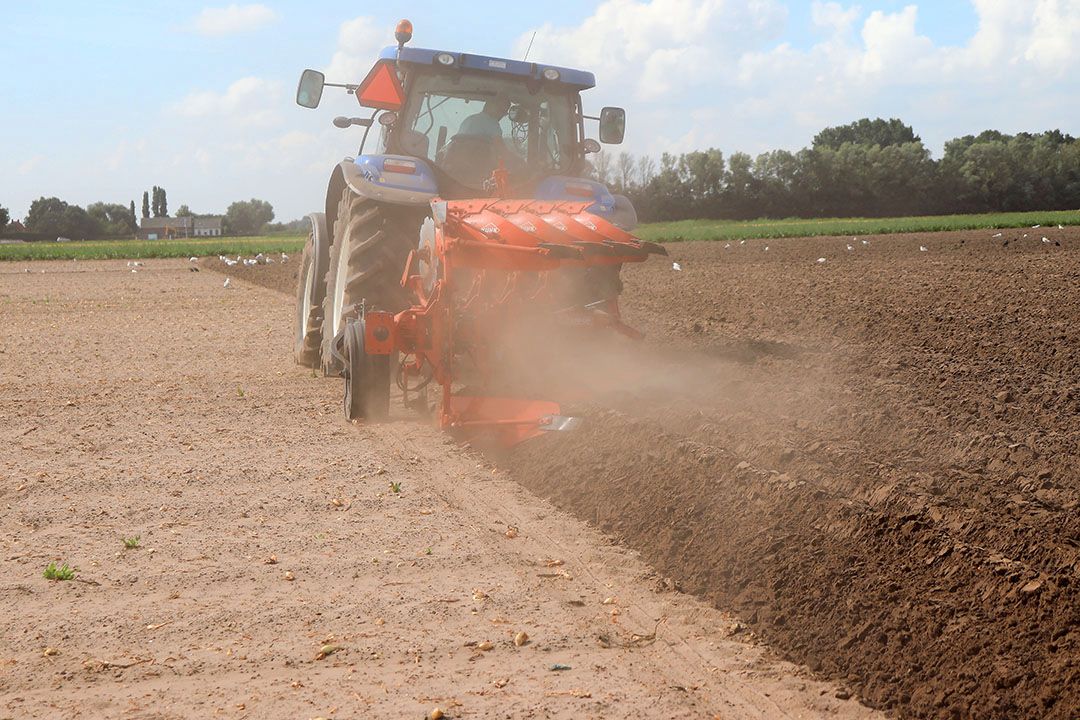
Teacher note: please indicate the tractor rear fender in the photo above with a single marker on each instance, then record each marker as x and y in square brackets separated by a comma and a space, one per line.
[383, 179]
[616, 209]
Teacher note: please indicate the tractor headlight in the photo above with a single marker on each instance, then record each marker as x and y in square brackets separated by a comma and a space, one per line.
[444, 59]
[551, 74]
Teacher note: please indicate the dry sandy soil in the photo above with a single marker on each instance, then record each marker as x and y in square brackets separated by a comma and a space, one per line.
[290, 565]
[872, 460]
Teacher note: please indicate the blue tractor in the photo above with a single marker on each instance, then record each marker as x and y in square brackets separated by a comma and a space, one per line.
[448, 126]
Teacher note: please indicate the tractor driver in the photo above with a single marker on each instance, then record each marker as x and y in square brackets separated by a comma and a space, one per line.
[479, 146]
[486, 122]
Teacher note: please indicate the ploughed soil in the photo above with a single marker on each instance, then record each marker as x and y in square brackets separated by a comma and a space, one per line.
[871, 460]
[286, 564]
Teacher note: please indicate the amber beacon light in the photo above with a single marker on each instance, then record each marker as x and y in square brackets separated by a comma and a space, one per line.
[403, 32]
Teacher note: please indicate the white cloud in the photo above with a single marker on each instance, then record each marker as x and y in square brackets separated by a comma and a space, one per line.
[359, 43]
[248, 101]
[233, 19]
[28, 165]
[834, 17]
[694, 74]
[1055, 32]
[661, 47]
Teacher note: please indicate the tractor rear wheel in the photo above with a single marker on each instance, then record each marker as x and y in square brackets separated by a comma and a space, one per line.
[367, 377]
[310, 293]
[371, 244]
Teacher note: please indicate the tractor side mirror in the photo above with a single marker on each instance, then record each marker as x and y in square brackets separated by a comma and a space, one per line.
[309, 91]
[590, 146]
[612, 125]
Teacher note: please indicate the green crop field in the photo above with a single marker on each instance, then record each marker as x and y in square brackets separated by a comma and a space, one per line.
[656, 232]
[795, 227]
[107, 249]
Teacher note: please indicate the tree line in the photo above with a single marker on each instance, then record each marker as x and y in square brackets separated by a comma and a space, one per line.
[867, 168]
[51, 217]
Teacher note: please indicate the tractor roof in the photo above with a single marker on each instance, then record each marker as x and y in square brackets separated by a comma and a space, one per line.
[578, 79]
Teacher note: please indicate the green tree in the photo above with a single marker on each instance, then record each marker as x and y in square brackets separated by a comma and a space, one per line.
[112, 219]
[53, 216]
[624, 172]
[184, 211]
[702, 173]
[247, 217]
[866, 132]
[740, 187]
[145, 204]
[778, 175]
[5, 217]
[163, 203]
[666, 197]
[133, 219]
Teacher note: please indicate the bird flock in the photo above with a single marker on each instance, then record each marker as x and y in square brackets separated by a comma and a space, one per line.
[260, 259]
[850, 247]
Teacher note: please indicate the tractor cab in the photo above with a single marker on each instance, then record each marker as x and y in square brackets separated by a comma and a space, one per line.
[468, 124]
[465, 116]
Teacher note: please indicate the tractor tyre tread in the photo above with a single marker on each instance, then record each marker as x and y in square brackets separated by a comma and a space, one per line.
[378, 238]
[307, 346]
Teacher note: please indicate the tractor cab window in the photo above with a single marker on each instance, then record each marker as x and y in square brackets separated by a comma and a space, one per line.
[468, 124]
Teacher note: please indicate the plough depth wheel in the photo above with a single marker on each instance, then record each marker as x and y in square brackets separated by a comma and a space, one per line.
[367, 377]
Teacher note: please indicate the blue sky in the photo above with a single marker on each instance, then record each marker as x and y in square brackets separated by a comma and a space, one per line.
[104, 99]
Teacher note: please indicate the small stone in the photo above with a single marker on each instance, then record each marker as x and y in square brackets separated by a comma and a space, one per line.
[842, 695]
[272, 560]
[485, 645]
[521, 638]
[289, 576]
[327, 650]
[50, 652]
[1004, 396]
[511, 532]
[436, 714]
[1031, 587]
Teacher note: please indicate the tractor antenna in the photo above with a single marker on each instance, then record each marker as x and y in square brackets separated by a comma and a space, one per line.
[530, 47]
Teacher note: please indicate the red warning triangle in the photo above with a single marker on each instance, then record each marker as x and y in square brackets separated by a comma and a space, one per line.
[381, 88]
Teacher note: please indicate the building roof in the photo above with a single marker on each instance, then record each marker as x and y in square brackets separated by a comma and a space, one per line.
[160, 223]
[208, 223]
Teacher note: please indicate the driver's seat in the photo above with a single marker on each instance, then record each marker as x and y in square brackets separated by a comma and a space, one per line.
[469, 159]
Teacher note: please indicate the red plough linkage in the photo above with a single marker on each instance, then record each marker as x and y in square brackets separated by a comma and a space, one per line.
[483, 268]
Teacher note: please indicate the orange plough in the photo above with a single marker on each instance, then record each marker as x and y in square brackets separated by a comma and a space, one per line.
[484, 270]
